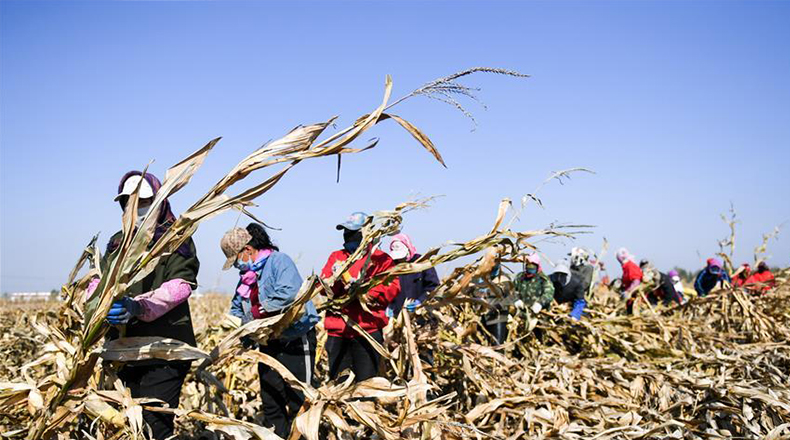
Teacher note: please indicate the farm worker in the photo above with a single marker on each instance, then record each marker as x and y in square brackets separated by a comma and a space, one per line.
[677, 284]
[580, 264]
[155, 306]
[632, 275]
[533, 288]
[665, 290]
[710, 276]
[569, 288]
[762, 280]
[414, 287]
[649, 273]
[347, 348]
[741, 275]
[268, 284]
[497, 290]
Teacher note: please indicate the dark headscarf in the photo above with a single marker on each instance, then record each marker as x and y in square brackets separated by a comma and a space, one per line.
[165, 219]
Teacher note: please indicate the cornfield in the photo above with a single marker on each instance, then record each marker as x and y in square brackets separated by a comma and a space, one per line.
[715, 367]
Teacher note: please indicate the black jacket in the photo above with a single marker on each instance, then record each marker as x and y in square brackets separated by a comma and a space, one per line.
[665, 292]
[567, 293]
[585, 275]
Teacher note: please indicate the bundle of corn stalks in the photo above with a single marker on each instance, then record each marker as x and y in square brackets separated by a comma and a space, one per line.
[716, 367]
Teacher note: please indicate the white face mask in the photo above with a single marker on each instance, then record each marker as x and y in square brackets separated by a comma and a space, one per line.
[141, 212]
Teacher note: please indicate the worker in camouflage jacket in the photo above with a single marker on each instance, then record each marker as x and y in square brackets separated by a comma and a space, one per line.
[533, 288]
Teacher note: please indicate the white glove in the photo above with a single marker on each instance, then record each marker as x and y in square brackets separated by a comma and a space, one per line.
[519, 304]
[536, 308]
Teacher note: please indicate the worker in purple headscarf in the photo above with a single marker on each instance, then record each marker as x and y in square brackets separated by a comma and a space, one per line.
[156, 306]
[710, 276]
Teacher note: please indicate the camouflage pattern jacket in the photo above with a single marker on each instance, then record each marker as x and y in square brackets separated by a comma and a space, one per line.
[536, 289]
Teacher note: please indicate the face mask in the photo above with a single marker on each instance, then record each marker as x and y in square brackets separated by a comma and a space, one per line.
[141, 212]
[351, 246]
[531, 271]
[242, 266]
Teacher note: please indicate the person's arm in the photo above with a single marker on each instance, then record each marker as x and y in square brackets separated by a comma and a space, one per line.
[430, 281]
[587, 275]
[383, 294]
[578, 308]
[579, 292]
[181, 274]
[94, 283]
[163, 299]
[698, 283]
[235, 306]
[287, 282]
[326, 272]
[547, 293]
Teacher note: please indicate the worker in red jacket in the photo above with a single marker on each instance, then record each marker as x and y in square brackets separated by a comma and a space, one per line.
[762, 280]
[347, 349]
[632, 274]
[741, 275]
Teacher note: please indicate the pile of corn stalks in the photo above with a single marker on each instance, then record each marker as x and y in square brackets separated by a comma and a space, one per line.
[716, 367]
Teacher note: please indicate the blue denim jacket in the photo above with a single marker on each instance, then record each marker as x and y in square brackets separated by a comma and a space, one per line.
[278, 283]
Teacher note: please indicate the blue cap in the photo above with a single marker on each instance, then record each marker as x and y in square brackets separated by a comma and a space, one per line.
[354, 222]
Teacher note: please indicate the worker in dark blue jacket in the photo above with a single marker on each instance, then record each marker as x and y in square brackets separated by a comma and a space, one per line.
[414, 287]
[712, 275]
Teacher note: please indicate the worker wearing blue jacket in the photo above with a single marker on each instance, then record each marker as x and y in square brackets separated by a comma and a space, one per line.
[712, 275]
[268, 285]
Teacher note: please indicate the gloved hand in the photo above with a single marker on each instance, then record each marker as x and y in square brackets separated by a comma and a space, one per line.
[123, 310]
[412, 305]
[519, 304]
[578, 308]
[536, 308]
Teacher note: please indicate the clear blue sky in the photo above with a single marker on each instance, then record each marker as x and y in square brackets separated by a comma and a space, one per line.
[680, 108]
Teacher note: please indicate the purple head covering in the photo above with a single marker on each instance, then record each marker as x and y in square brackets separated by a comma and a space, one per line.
[165, 219]
[673, 273]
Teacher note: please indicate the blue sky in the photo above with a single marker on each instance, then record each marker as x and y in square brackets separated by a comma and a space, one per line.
[680, 107]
